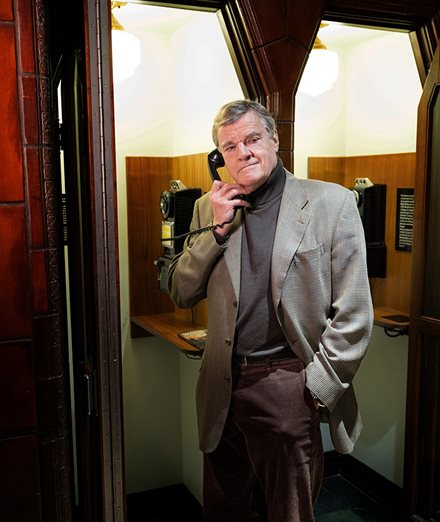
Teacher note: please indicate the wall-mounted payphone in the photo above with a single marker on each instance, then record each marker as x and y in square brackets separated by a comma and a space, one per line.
[176, 206]
[371, 202]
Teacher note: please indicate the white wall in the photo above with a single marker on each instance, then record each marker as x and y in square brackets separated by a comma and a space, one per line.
[381, 391]
[150, 366]
[204, 79]
[165, 109]
[371, 110]
[143, 104]
[320, 122]
[152, 414]
[192, 464]
[383, 91]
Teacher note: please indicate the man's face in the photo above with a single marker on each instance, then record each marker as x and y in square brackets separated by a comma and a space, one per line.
[249, 152]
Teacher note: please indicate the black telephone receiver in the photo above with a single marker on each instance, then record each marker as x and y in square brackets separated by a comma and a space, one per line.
[215, 161]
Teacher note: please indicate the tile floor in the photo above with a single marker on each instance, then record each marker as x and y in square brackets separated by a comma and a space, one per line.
[339, 501]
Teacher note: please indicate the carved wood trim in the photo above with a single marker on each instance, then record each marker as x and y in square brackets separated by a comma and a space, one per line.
[48, 334]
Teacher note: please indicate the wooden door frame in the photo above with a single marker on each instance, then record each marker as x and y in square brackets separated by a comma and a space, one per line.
[102, 170]
[422, 325]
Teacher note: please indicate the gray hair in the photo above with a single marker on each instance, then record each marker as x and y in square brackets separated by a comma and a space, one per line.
[232, 111]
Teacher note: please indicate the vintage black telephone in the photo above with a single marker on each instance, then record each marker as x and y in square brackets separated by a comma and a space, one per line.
[215, 161]
[174, 243]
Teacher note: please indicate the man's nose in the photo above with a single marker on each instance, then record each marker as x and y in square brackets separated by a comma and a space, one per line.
[243, 150]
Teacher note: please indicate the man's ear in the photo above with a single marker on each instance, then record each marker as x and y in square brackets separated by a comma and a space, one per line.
[276, 141]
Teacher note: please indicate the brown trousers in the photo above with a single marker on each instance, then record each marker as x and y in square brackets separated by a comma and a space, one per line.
[268, 465]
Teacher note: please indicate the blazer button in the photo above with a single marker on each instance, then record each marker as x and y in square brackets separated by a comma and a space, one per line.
[227, 379]
[228, 341]
[235, 304]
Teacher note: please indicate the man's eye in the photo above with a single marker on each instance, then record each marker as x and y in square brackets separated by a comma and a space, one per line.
[253, 140]
[230, 148]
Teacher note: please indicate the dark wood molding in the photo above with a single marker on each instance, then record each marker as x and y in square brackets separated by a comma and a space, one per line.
[422, 448]
[235, 35]
[106, 270]
[48, 330]
[275, 38]
[388, 13]
[424, 43]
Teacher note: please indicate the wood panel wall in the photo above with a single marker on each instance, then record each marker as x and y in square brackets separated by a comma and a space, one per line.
[395, 171]
[34, 467]
[147, 177]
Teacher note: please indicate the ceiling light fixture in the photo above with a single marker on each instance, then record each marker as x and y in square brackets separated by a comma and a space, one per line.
[321, 70]
[126, 48]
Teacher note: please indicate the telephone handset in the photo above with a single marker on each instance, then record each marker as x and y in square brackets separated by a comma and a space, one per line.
[215, 161]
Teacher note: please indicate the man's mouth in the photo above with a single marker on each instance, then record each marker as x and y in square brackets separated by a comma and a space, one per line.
[248, 165]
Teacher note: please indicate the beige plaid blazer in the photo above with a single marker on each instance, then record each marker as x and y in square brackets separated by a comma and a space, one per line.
[320, 290]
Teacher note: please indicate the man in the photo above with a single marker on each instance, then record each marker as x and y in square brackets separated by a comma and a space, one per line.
[290, 317]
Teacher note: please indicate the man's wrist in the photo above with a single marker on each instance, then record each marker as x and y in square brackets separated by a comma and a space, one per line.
[221, 240]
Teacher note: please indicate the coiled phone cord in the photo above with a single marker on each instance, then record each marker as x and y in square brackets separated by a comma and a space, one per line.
[197, 231]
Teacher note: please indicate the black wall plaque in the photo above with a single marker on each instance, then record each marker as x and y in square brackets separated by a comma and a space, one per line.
[405, 219]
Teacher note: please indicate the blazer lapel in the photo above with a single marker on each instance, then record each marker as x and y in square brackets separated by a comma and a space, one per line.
[293, 218]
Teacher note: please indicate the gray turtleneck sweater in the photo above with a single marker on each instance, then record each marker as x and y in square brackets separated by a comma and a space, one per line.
[258, 331]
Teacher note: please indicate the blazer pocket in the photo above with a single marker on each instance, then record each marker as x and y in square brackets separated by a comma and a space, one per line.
[308, 256]
[310, 276]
